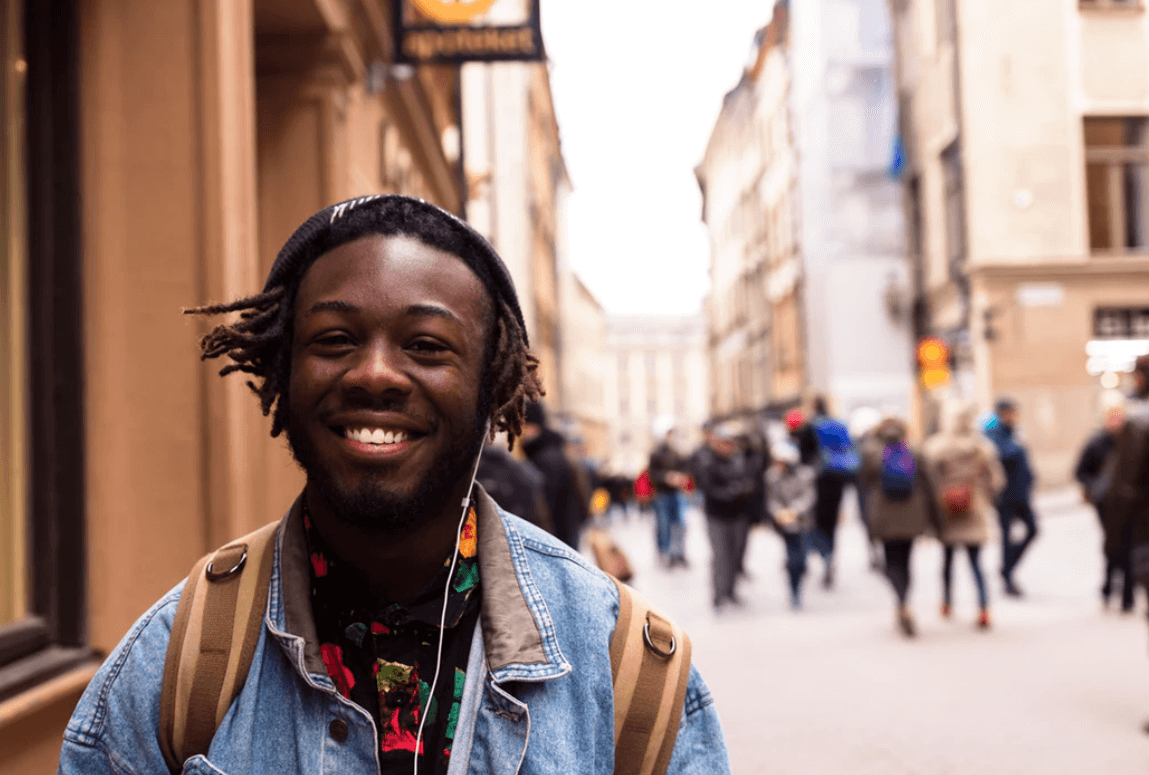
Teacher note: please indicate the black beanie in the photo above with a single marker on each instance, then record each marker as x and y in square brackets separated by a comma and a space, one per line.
[389, 214]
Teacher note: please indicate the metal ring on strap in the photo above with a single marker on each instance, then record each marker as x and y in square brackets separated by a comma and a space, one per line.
[650, 644]
[213, 575]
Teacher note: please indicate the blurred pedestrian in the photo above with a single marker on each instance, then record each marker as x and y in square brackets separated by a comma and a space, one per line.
[1127, 502]
[790, 498]
[668, 477]
[516, 485]
[566, 500]
[966, 477]
[1014, 501]
[726, 478]
[1095, 473]
[900, 503]
[863, 421]
[837, 466]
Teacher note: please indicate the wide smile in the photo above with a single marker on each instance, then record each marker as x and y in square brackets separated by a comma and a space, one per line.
[376, 441]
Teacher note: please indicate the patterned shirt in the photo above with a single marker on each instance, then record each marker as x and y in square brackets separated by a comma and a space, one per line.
[381, 654]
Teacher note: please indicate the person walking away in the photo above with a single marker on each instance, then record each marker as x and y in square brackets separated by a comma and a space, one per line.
[1014, 501]
[726, 479]
[838, 465]
[900, 504]
[1127, 502]
[668, 478]
[790, 499]
[966, 477]
[863, 421]
[546, 448]
[1095, 473]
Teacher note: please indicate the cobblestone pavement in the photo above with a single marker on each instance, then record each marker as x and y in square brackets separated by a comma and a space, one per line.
[1057, 686]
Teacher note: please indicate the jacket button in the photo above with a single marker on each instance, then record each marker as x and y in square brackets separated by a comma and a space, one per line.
[338, 730]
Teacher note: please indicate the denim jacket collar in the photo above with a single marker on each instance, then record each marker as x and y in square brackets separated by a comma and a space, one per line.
[518, 635]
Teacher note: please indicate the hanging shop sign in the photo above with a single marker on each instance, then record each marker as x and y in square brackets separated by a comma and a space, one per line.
[457, 31]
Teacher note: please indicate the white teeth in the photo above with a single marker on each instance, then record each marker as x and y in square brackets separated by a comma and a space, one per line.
[375, 436]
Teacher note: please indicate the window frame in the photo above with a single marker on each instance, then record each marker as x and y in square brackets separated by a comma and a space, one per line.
[1111, 5]
[52, 638]
[1115, 157]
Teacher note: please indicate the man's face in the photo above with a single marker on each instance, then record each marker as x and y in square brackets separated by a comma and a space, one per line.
[386, 364]
[1008, 416]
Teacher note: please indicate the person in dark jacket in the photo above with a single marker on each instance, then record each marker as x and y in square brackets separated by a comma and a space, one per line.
[837, 461]
[668, 477]
[1094, 471]
[1014, 501]
[516, 485]
[727, 479]
[546, 448]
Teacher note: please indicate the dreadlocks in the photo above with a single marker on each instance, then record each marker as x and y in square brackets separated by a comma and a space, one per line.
[260, 341]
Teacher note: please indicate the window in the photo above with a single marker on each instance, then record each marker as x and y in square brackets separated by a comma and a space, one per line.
[954, 182]
[42, 590]
[1116, 179]
[1121, 323]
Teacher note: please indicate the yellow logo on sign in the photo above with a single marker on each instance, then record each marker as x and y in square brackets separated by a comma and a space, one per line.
[454, 10]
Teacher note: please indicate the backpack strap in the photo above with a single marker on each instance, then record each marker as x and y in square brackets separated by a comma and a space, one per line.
[213, 638]
[650, 663]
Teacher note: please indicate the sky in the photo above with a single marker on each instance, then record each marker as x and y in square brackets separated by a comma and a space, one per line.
[637, 87]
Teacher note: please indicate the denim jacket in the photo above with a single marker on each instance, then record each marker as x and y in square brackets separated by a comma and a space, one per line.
[538, 696]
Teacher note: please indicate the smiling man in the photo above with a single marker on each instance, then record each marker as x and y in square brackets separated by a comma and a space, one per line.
[408, 624]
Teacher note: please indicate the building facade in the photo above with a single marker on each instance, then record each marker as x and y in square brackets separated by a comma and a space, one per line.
[858, 341]
[155, 156]
[656, 365]
[1028, 144]
[749, 177]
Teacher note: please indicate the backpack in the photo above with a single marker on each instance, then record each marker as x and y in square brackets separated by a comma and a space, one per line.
[220, 616]
[837, 451]
[898, 469]
[958, 476]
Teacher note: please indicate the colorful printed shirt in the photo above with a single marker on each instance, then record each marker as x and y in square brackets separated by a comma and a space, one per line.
[381, 654]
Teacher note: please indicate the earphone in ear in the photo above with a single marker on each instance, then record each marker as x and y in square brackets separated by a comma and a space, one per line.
[446, 593]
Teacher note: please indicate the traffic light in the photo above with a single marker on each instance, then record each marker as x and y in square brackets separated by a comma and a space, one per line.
[933, 362]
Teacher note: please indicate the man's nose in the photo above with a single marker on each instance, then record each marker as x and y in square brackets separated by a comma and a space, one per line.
[379, 369]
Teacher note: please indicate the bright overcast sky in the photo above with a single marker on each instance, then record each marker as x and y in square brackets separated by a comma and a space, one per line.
[637, 87]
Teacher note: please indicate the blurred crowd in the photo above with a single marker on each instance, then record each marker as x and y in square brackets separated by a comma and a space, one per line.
[964, 484]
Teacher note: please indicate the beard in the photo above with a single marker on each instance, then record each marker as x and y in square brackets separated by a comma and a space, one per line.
[374, 508]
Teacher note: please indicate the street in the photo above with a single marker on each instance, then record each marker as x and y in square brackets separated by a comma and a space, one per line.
[1056, 686]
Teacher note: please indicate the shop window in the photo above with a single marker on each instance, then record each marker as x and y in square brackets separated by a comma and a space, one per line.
[1117, 184]
[42, 569]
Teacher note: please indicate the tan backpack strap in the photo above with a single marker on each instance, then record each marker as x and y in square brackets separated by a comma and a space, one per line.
[213, 639]
[650, 662]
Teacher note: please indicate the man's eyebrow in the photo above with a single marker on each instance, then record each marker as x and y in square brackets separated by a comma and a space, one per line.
[434, 311]
[331, 306]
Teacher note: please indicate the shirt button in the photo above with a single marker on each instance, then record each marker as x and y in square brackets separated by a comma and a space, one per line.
[338, 730]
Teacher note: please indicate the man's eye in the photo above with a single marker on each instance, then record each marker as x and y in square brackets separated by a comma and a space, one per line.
[427, 346]
[333, 340]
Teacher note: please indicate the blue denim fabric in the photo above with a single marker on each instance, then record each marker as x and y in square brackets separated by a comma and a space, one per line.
[552, 714]
[667, 521]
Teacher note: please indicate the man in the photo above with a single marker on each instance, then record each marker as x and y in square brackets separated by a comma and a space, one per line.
[516, 485]
[567, 494]
[1094, 472]
[388, 343]
[668, 477]
[1014, 501]
[728, 481]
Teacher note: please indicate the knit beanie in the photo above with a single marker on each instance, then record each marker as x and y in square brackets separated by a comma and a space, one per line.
[393, 215]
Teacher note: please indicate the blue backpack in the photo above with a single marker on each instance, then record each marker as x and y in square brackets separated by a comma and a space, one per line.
[898, 471]
[838, 453]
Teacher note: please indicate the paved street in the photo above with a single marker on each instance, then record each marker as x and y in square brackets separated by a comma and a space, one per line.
[1057, 686]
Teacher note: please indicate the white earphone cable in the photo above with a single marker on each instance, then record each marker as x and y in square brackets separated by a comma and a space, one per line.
[446, 594]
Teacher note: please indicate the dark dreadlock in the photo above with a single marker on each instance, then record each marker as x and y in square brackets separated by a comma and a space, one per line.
[260, 341]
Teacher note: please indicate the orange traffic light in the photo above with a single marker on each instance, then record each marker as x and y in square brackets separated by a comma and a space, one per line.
[933, 362]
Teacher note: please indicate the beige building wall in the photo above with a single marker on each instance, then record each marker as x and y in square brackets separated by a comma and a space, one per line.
[655, 365]
[1028, 76]
[584, 363]
[210, 129]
